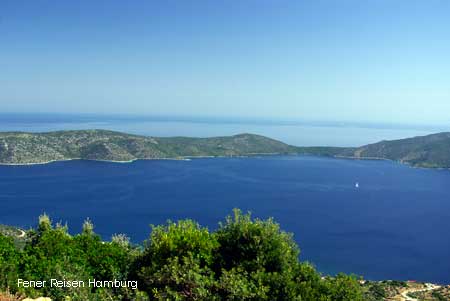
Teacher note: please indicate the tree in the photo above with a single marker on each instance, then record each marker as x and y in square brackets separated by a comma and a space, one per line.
[267, 255]
[344, 288]
[176, 262]
[9, 261]
[245, 259]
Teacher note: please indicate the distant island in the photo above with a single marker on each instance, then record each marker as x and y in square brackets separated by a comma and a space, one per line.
[430, 151]
[33, 148]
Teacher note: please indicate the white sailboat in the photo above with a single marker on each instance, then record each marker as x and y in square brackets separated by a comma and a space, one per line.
[357, 185]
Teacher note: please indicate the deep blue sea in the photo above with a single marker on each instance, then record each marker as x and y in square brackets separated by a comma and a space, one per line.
[396, 225]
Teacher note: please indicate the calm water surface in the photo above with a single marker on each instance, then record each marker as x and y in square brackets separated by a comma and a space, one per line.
[394, 226]
[295, 134]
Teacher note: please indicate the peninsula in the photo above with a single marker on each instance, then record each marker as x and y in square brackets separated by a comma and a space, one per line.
[431, 151]
[34, 148]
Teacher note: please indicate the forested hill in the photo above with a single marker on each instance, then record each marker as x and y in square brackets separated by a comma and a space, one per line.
[24, 148]
[424, 151]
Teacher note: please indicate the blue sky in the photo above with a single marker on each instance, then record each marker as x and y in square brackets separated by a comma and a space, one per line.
[348, 60]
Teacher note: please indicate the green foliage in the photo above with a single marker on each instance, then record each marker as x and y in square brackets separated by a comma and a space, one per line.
[176, 261]
[237, 284]
[178, 279]
[54, 254]
[327, 151]
[45, 223]
[22, 148]
[183, 239]
[245, 259]
[9, 261]
[438, 296]
[255, 245]
[121, 239]
[377, 291]
[260, 249]
[88, 227]
[19, 236]
[344, 288]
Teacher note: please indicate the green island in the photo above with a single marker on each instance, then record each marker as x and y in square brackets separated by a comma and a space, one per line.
[31, 148]
[34, 148]
[244, 259]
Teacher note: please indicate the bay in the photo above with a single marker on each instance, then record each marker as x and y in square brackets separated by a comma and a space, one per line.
[395, 225]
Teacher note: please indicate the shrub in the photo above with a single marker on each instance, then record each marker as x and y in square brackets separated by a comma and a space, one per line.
[245, 259]
[9, 261]
[176, 262]
[259, 248]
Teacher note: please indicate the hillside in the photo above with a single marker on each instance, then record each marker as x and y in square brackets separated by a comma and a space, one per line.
[26, 148]
[424, 151]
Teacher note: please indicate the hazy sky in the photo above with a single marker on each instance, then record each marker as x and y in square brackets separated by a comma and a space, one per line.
[355, 60]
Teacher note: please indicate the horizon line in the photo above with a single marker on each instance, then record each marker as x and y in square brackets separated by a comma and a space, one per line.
[72, 117]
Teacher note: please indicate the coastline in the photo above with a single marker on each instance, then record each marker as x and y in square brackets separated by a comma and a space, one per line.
[175, 151]
[391, 160]
[364, 158]
[37, 163]
[81, 159]
[249, 155]
[183, 158]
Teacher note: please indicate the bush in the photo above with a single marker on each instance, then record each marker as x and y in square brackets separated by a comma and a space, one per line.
[254, 245]
[9, 262]
[245, 259]
[259, 248]
[53, 253]
[176, 262]
[344, 288]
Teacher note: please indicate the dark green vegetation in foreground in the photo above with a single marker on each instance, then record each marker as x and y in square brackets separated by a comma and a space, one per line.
[245, 259]
[23, 148]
